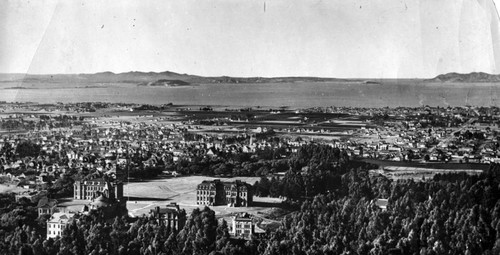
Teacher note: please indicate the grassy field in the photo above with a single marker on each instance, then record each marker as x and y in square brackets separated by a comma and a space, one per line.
[397, 170]
[7, 188]
[436, 165]
[146, 195]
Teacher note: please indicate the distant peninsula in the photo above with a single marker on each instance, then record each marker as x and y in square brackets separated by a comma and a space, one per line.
[165, 83]
[154, 78]
[475, 77]
[172, 79]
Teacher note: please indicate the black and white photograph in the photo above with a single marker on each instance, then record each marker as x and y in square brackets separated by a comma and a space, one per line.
[248, 127]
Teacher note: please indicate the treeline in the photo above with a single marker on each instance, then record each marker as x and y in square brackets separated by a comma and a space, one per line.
[222, 167]
[263, 162]
[314, 169]
[91, 234]
[452, 214]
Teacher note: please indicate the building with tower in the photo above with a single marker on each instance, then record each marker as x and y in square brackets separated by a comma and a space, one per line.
[91, 189]
[171, 216]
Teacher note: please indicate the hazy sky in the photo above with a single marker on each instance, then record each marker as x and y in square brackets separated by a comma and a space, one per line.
[334, 38]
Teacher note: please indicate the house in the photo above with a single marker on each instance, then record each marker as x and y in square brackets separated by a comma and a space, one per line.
[171, 216]
[242, 226]
[46, 206]
[57, 223]
[32, 196]
[210, 153]
[382, 203]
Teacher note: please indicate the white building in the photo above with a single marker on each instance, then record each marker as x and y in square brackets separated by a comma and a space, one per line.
[243, 226]
[57, 223]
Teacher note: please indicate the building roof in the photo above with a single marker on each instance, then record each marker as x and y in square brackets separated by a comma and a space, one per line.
[231, 185]
[172, 208]
[46, 202]
[382, 203]
[243, 217]
[100, 201]
[60, 217]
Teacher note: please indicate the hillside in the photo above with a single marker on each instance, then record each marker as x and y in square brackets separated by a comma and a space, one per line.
[166, 83]
[152, 78]
[466, 78]
[104, 77]
[176, 79]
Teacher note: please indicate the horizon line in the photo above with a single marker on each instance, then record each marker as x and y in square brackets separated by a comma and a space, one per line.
[264, 77]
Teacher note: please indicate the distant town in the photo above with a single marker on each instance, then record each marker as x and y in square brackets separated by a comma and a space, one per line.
[65, 167]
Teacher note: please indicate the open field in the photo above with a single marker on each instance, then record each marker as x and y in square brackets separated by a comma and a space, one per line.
[146, 195]
[435, 165]
[7, 188]
[397, 170]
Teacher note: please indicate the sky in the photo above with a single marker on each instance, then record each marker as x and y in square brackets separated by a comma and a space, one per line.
[335, 38]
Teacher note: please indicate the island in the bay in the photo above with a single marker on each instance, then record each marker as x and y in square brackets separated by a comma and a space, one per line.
[168, 178]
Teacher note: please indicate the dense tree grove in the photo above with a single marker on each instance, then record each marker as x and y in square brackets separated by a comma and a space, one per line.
[27, 149]
[91, 234]
[262, 162]
[314, 169]
[453, 214]
[449, 214]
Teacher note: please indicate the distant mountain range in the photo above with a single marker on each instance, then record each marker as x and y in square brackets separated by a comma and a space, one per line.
[466, 78]
[175, 79]
[151, 78]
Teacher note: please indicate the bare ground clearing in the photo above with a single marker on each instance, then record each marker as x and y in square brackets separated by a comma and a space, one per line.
[144, 196]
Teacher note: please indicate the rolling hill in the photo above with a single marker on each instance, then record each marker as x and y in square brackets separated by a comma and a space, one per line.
[152, 78]
[168, 78]
[466, 78]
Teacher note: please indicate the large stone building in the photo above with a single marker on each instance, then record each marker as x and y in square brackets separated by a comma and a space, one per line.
[171, 216]
[108, 207]
[92, 189]
[215, 192]
[57, 223]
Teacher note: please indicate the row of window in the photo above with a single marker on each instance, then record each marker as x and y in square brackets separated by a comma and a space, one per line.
[54, 233]
[205, 192]
[86, 193]
[242, 194]
[241, 225]
[239, 232]
[205, 187]
[203, 197]
[55, 226]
